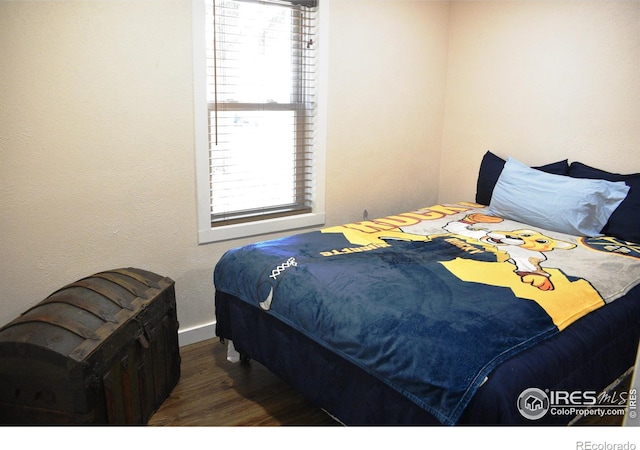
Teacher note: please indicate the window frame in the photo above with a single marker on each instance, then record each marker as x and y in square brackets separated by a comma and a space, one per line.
[208, 233]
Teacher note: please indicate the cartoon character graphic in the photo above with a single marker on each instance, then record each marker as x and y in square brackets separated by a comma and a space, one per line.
[525, 249]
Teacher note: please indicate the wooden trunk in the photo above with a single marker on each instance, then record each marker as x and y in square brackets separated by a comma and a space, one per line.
[102, 350]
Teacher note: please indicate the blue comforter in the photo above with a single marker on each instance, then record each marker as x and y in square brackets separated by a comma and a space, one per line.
[428, 302]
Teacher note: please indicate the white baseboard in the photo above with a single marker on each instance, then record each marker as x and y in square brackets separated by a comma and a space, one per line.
[196, 334]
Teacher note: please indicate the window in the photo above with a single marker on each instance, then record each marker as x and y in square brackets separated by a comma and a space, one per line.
[259, 139]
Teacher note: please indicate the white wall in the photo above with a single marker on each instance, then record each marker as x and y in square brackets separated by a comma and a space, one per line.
[97, 148]
[386, 103]
[541, 81]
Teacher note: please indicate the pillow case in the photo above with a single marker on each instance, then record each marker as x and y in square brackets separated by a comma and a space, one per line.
[624, 223]
[568, 205]
[491, 167]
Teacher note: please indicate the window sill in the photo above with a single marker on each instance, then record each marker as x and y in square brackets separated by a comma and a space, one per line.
[244, 230]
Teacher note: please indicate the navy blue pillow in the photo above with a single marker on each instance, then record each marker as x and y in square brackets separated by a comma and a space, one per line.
[491, 168]
[623, 223]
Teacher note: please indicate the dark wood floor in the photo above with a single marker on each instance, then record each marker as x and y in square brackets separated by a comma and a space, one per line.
[214, 392]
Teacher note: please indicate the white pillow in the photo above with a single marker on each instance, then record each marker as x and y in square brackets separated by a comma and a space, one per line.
[576, 206]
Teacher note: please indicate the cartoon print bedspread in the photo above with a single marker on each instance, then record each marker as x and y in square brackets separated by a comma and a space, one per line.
[432, 300]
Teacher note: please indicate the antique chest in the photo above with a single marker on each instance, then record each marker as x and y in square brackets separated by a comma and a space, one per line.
[102, 350]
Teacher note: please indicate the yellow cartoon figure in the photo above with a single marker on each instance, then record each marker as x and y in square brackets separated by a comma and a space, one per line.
[525, 248]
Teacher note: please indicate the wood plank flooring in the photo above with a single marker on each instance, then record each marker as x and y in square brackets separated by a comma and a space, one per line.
[214, 392]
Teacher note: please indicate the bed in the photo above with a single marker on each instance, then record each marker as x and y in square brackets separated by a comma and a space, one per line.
[519, 308]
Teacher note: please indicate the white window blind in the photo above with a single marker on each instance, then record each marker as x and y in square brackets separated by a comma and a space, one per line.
[261, 108]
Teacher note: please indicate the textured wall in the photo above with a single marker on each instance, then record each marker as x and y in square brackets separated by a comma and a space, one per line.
[386, 102]
[541, 81]
[95, 143]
